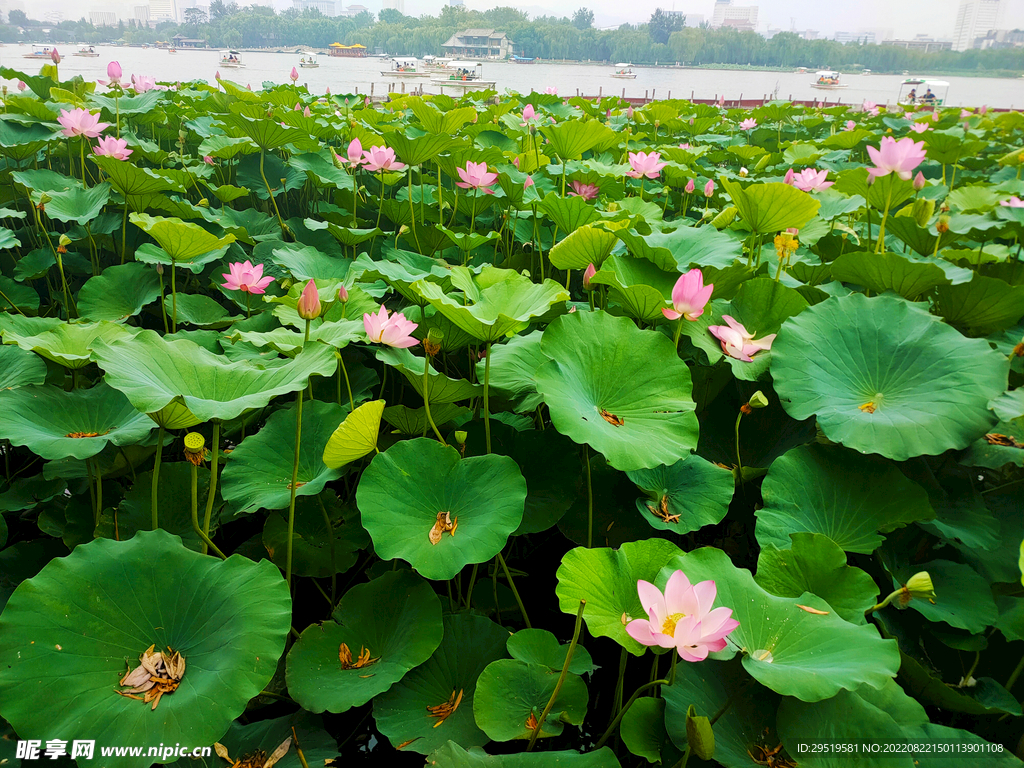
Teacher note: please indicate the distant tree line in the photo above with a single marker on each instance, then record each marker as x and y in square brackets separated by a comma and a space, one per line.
[663, 39]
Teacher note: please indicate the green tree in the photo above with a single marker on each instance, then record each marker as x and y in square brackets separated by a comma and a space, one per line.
[193, 17]
[662, 25]
[391, 16]
[217, 10]
[583, 18]
[17, 17]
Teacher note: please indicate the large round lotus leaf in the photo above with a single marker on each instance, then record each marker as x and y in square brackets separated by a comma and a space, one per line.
[441, 388]
[75, 629]
[453, 756]
[686, 496]
[606, 579]
[623, 391]
[70, 344]
[884, 376]
[643, 732]
[396, 619]
[470, 643]
[538, 646]
[19, 367]
[119, 293]
[963, 598]
[408, 490]
[153, 372]
[258, 474]
[795, 646]
[512, 367]
[509, 693]
[56, 424]
[355, 436]
[748, 719]
[846, 496]
[816, 564]
[311, 545]
[266, 736]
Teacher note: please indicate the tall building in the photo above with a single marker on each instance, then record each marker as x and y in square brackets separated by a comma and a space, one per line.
[162, 10]
[974, 19]
[395, 5]
[326, 7]
[455, 3]
[141, 15]
[728, 15]
[103, 18]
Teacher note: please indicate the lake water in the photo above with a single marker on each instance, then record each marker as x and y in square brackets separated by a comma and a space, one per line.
[347, 75]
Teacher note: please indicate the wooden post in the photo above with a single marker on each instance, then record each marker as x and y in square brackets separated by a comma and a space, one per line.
[652, 94]
[600, 91]
[670, 95]
[371, 90]
[623, 93]
[645, 94]
[691, 95]
[403, 86]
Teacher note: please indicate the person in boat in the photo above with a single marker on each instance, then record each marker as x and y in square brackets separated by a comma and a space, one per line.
[912, 96]
[929, 97]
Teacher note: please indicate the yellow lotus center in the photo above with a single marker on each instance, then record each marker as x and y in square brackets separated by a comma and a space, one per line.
[669, 627]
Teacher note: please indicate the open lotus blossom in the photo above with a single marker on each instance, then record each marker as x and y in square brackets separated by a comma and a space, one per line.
[586, 191]
[309, 305]
[737, 342]
[645, 165]
[381, 159]
[476, 176]
[143, 83]
[850, 126]
[811, 180]
[682, 618]
[748, 124]
[919, 127]
[110, 147]
[1013, 202]
[871, 108]
[709, 188]
[899, 157]
[294, 74]
[690, 186]
[243, 276]
[689, 296]
[552, 90]
[81, 122]
[528, 114]
[394, 331]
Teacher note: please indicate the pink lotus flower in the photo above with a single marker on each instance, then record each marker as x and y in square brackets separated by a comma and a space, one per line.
[871, 108]
[208, 159]
[919, 127]
[309, 302]
[964, 113]
[709, 188]
[586, 191]
[342, 294]
[297, 107]
[528, 183]
[850, 125]
[629, 113]
[748, 124]
[810, 180]
[114, 73]
[81, 122]
[294, 74]
[54, 56]
[899, 157]
[394, 331]
[690, 186]
[935, 117]
[790, 175]
[306, 112]
[645, 165]
[684, 145]
[528, 114]
[983, 110]
[689, 296]
[381, 159]
[737, 342]
[682, 618]
[354, 154]
[588, 273]
[110, 147]
[1013, 202]
[721, 100]
[217, 76]
[21, 85]
[919, 181]
[243, 276]
[476, 176]
[552, 90]
[143, 83]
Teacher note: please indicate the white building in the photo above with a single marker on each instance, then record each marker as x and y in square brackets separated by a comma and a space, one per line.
[974, 19]
[54, 17]
[395, 5]
[162, 10]
[141, 15]
[103, 18]
[743, 17]
[326, 7]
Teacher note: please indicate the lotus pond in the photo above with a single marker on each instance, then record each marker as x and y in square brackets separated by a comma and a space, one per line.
[509, 431]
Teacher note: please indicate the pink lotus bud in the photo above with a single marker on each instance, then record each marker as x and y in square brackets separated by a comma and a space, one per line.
[208, 159]
[297, 107]
[515, 161]
[709, 188]
[587, 274]
[328, 91]
[689, 296]
[629, 113]
[919, 181]
[114, 72]
[54, 56]
[983, 110]
[306, 112]
[790, 174]
[690, 186]
[309, 302]
[217, 75]
[343, 294]
[21, 85]
[793, 231]
[528, 183]
[294, 75]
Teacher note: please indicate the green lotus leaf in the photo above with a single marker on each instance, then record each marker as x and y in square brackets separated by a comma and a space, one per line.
[470, 643]
[885, 377]
[258, 473]
[498, 307]
[810, 654]
[686, 496]
[989, 754]
[984, 697]
[538, 646]
[413, 421]
[643, 732]
[320, 170]
[336, 334]
[442, 389]
[623, 391]
[880, 272]
[772, 206]
[841, 494]
[984, 305]
[638, 286]
[513, 365]
[182, 241]
[994, 455]
[354, 437]
[75, 625]
[133, 180]
[396, 617]
[416, 151]
[571, 138]
[963, 598]
[920, 239]
[748, 719]
[311, 544]
[305, 262]
[153, 372]
[888, 190]
[816, 564]
[400, 269]
[606, 579]
[683, 248]
[69, 344]
[267, 134]
[453, 756]
[19, 368]
[407, 487]
[359, 302]
[318, 747]
[27, 493]
[584, 246]
[17, 297]
[509, 692]
[119, 293]
[55, 424]
[76, 204]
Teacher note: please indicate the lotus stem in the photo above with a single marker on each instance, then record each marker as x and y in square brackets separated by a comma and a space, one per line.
[207, 541]
[1015, 674]
[679, 330]
[271, 192]
[515, 592]
[294, 483]
[124, 235]
[348, 384]
[739, 460]
[174, 298]
[590, 499]
[426, 403]
[880, 245]
[472, 228]
[487, 400]
[472, 582]
[561, 677]
[214, 454]
[884, 603]
[155, 518]
[330, 544]
[298, 749]
[99, 490]
[355, 197]
[629, 703]
[412, 214]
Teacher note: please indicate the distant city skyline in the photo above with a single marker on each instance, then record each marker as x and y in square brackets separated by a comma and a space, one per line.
[942, 19]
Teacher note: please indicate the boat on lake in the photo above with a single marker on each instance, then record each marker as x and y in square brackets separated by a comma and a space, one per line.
[466, 75]
[522, 60]
[87, 51]
[405, 67]
[309, 61]
[39, 52]
[919, 90]
[828, 80]
[231, 59]
[624, 71]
